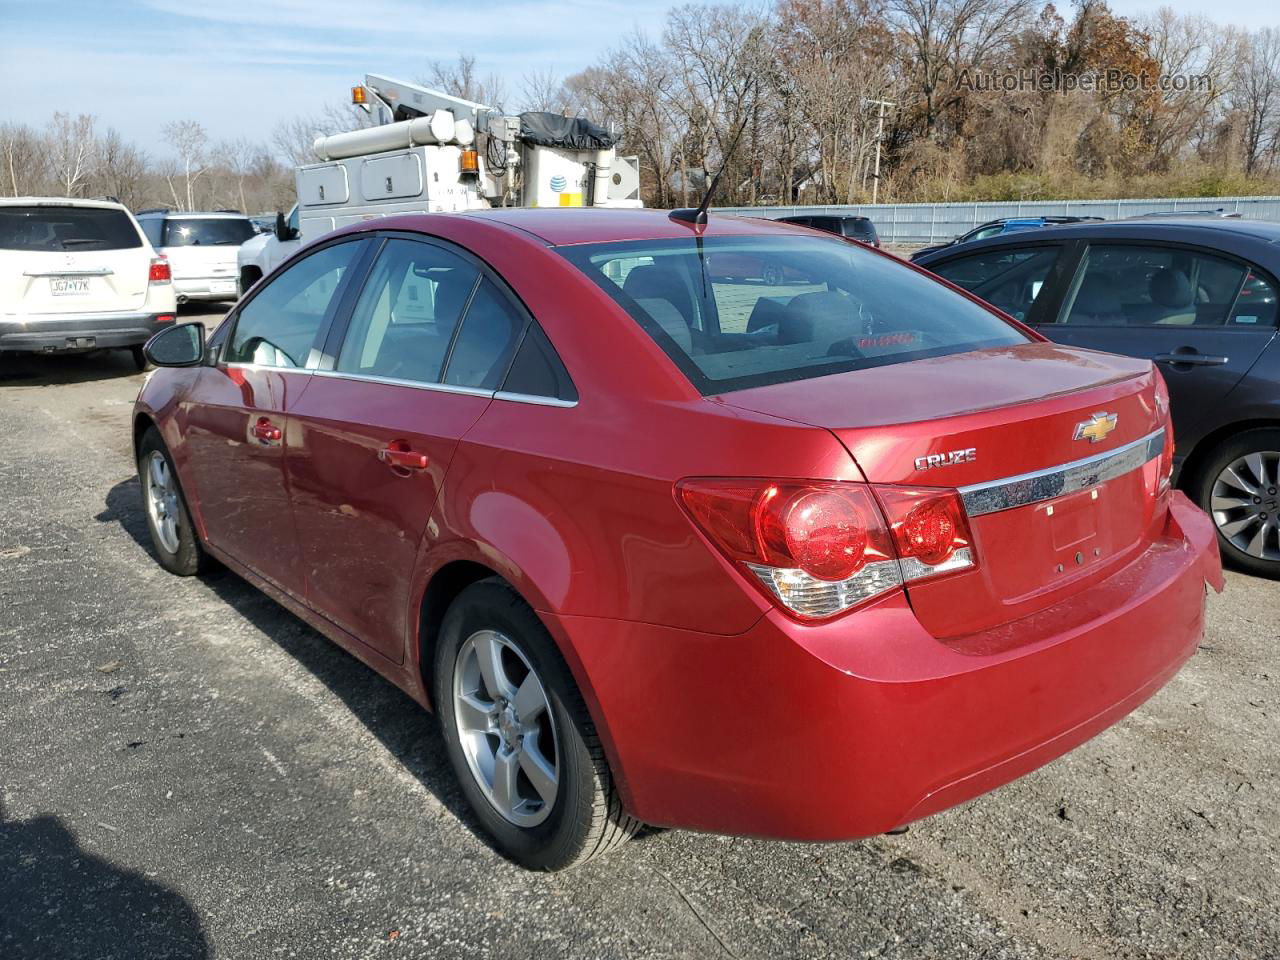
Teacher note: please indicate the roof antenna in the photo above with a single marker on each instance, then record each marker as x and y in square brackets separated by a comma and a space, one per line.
[697, 217]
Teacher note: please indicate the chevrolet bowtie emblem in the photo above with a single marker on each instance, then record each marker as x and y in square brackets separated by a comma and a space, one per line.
[1096, 427]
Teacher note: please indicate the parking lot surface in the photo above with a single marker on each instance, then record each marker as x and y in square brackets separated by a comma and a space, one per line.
[186, 770]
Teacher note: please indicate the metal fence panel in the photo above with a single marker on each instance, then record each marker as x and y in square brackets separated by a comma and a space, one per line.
[917, 223]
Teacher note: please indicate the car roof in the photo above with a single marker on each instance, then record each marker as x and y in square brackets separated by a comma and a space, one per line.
[565, 226]
[61, 202]
[194, 215]
[1186, 229]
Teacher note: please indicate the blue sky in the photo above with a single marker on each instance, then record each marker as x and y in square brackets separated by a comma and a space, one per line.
[239, 66]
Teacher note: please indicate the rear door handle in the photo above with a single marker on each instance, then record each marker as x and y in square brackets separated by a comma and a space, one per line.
[266, 431]
[398, 454]
[1195, 359]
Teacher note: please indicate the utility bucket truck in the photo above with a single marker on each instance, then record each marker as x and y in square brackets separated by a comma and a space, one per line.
[428, 152]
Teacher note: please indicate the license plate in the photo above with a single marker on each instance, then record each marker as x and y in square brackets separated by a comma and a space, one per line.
[68, 286]
[223, 286]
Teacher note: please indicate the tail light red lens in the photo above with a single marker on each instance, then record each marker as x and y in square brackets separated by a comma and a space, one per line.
[160, 272]
[820, 548]
[930, 529]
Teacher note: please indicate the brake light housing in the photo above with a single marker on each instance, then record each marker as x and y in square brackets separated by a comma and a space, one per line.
[160, 272]
[820, 548]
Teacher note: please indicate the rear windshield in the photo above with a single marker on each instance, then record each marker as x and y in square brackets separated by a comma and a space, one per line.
[206, 232]
[66, 228]
[739, 312]
[860, 228]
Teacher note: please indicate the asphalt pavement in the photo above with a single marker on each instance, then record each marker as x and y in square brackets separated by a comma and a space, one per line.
[187, 770]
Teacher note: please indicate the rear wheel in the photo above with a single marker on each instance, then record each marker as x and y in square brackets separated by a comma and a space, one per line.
[519, 735]
[1239, 487]
[168, 520]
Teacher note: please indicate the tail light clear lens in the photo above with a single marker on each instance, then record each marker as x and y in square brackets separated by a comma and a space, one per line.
[160, 272]
[820, 548]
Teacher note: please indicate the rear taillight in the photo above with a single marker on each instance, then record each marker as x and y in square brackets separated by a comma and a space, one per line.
[820, 548]
[1165, 479]
[160, 271]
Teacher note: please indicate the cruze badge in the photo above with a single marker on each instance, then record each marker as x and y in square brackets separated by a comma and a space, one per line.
[1096, 428]
[949, 459]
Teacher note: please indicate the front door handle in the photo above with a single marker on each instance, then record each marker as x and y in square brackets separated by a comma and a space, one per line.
[1194, 359]
[398, 454]
[266, 431]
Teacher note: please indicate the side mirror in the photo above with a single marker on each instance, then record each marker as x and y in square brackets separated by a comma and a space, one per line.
[180, 346]
[283, 230]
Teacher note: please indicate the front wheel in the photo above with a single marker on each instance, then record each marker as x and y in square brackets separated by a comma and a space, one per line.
[1239, 487]
[168, 520]
[519, 736]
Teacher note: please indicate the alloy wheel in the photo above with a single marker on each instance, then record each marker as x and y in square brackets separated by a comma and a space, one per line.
[506, 728]
[1245, 503]
[162, 501]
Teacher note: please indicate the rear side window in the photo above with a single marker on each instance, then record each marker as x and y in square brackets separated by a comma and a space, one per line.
[738, 312]
[278, 327]
[404, 322]
[1137, 285]
[206, 231]
[538, 371]
[483, 346]
[60, 229]
[154, 229]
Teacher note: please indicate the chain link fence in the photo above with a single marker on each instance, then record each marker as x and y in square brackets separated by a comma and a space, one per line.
[921, 223]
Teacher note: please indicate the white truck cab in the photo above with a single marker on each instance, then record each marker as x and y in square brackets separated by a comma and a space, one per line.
[261, 254]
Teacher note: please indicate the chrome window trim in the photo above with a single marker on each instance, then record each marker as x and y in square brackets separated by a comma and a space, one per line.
[535, 399]
[1040, 485]
[240, 365]
[395, 382]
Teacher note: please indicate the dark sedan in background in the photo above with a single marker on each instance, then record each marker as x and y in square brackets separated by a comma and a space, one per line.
[1196, 295]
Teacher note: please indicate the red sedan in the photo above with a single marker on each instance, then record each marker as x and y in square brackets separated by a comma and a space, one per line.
[659, 546]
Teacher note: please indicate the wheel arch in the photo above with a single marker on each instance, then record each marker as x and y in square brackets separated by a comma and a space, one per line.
[1189, 474]
[142, 422]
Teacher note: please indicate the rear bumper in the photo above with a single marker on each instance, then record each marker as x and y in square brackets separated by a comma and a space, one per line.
[206, 288]
[854, 727]
[78, 331]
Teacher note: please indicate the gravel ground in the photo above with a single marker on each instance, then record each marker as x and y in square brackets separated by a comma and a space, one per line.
[186, 770]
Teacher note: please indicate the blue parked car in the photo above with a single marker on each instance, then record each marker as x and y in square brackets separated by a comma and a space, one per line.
[996, 228]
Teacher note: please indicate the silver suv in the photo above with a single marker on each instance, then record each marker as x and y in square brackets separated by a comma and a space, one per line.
[201, 249]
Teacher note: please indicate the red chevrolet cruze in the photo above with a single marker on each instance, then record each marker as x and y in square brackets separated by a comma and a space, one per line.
[809, 558]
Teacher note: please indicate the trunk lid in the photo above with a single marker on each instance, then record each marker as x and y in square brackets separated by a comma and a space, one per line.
[977, 421]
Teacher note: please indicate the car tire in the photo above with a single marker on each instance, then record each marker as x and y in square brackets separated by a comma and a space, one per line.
[1238, 485]
[168, 520]
[556, 739]
[139, 358]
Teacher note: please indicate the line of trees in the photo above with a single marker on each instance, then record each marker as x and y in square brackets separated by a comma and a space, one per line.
[797, 86]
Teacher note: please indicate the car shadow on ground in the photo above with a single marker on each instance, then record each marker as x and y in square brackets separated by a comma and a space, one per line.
[59, 901]
[58, 369]
[408, 731]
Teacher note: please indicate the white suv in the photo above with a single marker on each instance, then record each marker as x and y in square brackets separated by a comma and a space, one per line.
[201, 249]
[78, 275]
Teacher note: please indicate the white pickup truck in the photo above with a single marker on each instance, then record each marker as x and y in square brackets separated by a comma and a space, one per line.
[259, 255]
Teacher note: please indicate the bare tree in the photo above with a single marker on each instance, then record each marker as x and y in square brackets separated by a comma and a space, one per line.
[462, 79]
[189, 141]
[23, 160]
[120, 169]
[1255, 95]
[544, 91]
[71, 147]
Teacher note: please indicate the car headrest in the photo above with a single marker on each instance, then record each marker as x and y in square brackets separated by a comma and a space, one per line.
[668, 318]
[1171, 288]
[650, 282]
[822, 315]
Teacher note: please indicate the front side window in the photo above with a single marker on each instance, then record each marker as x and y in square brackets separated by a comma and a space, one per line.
[206, 231]
[53, 229]
[1011, 279]
[1136, 285]
[279, 326]
[404, 322]
[737, 312]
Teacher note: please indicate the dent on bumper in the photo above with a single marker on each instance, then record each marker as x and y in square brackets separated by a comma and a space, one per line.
[855, 727]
